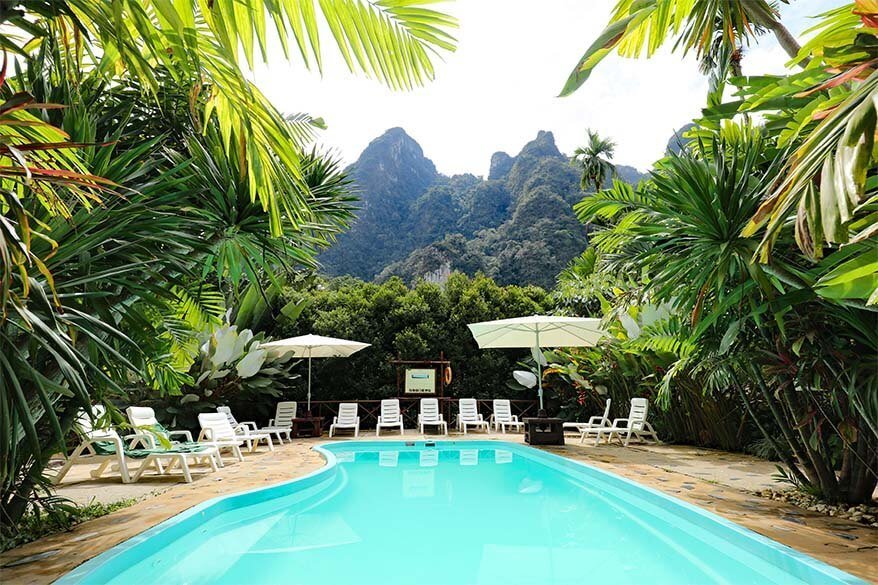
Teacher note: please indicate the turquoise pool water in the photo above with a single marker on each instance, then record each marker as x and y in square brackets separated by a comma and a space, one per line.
[451, 513]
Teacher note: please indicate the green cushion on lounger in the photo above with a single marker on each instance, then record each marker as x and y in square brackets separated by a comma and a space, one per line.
[109, 448]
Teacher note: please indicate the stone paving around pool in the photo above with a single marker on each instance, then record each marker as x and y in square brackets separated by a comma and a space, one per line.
[715, 480]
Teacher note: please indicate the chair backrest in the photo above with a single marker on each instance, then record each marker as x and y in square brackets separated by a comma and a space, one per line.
[430, 410]
[606, 415]
[502, 410]
[218, 423]
[347, 413]
[86, 426]
[637, 415]
[141, 416]
[228, 413]
[390, 410]
[469, 409]
[284, 414]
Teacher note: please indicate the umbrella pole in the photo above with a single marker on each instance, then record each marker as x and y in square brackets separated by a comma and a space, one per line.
[309, 381]
[542, 411]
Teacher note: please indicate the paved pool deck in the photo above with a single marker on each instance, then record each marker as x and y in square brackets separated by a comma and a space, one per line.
[715, 480]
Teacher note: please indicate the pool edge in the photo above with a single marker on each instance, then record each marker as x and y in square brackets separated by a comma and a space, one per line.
[82, 571]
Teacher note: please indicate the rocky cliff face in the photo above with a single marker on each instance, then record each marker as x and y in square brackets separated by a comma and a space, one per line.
[517, 226]
[391, 173]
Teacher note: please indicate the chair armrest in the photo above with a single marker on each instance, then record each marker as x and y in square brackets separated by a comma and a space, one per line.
[185, 434]
[206, 435]
[616, 421]
[241, 429]
[380, 419]
[146, 439]
[270, 422]
[249, 425]
[515, 418]
[334, 420]
[598, 419]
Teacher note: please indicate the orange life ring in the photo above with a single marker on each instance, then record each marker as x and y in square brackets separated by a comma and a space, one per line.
[447, 375]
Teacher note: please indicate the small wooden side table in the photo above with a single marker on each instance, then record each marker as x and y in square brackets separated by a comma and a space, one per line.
[543, 431]
[307, 426]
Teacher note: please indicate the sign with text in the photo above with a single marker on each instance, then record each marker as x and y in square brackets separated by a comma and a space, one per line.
[420, 381]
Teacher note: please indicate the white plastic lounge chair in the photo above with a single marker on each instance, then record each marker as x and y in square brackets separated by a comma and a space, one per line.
[430, 416]
[348, 418]
[106, 447]
[469, 416]
[633, 426]
[503, 416]
[282, 423]
[144, 416]
[216, 430]
[593, 422]
[143, 419]
[247, 431]
[390, 417]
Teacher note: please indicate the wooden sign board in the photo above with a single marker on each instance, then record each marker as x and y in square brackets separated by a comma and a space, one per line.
[420, 381]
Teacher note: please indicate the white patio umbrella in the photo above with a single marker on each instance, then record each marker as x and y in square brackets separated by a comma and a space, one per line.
[313, 346]
[536, 332]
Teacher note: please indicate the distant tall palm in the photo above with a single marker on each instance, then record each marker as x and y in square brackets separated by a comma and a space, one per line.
[594, 161]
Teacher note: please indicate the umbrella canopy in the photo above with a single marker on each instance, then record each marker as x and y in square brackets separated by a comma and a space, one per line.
[538, 331]
[313, 346]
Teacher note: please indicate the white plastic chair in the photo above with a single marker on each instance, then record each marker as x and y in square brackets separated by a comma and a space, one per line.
[469, 416]
[634, 426]
[593, 422]
[390, 417]
[216, 430]
[348, 418]
[106, 447]
[430, 416]
[282, 423]
[247, 431]
[503, 416]
[144, 416]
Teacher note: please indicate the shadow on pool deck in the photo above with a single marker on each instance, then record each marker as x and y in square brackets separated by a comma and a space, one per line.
[715, 480]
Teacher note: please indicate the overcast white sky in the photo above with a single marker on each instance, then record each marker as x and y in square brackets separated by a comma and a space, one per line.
[499, 88]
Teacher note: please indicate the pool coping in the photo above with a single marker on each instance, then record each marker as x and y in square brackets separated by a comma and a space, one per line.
[81, 572]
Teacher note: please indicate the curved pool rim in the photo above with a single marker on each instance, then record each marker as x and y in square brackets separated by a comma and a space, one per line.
[216, 505]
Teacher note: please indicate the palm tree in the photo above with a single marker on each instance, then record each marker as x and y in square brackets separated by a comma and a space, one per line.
[594, 161]
[757, 330]
[638, 26]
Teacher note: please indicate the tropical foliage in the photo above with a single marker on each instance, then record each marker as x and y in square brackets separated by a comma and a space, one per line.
[145, 184]
[415, 322]
[759, 239]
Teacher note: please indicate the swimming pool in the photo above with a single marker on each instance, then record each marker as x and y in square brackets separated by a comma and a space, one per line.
[451, 513]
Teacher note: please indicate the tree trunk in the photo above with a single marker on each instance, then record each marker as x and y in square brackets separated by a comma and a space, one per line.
[787, 41]
[764, 15]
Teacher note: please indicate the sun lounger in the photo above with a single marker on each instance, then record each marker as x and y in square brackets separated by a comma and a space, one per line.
[430, 416]
[503, 416]
[635, 426]
[390, 417]
[469, 416]
[106, 447]
[348, 418]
